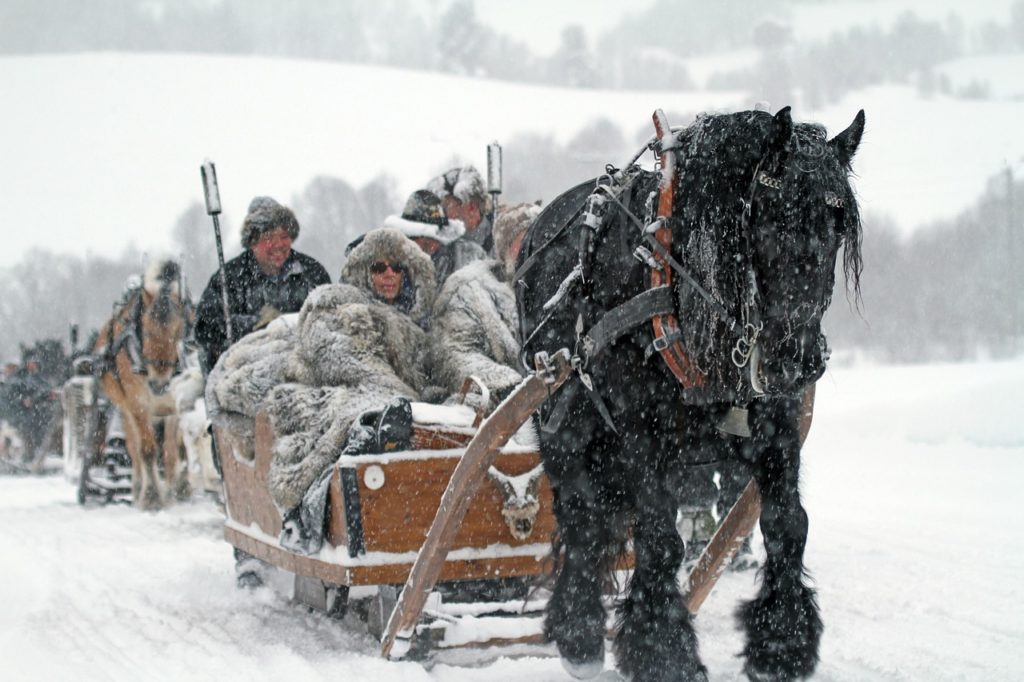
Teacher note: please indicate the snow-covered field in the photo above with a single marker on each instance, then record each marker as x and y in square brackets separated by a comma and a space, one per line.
[912, 479]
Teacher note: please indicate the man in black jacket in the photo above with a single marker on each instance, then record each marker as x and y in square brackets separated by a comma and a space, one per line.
[268, 279]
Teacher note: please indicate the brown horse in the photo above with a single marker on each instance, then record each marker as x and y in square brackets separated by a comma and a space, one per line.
[139, 351]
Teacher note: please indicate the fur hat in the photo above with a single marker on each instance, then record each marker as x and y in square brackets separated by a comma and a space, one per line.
[264, 215]
[465, 184]
[424, 217]
[261, 202]
[512, 221]
[392, 246]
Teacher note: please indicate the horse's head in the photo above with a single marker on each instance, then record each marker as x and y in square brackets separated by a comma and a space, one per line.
[779, 204]
[163, 321]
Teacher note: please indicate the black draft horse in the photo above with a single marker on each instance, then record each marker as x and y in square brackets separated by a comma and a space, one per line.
[722, 262]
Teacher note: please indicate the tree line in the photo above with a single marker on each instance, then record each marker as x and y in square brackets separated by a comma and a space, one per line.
[646, 50]
[950, 291]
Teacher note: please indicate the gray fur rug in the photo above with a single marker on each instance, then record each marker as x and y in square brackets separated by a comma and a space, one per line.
[346, 355]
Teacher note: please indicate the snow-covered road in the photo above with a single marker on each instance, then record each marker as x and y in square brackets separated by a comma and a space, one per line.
[912, 480]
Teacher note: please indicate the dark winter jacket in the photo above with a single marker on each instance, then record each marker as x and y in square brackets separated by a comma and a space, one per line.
[249, 290]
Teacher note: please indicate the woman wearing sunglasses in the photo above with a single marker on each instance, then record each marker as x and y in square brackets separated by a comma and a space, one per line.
[393, 270]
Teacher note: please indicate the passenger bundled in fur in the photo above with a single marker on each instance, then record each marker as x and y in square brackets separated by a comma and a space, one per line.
[359, 356]
[474, 330]
[475, 326]
[349, 353]
[387, 245]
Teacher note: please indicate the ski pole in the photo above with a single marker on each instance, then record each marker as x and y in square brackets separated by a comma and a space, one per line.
[212, 194]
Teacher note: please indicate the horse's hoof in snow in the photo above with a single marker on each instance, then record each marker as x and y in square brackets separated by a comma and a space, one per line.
[150, 500]
[585, 670]
[183, 491]
[249, 580]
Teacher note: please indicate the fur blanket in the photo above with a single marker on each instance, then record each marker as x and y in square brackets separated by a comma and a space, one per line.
[346, 355]
[474, 330]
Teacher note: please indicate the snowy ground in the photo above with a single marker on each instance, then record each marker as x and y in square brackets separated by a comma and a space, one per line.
[911, 482]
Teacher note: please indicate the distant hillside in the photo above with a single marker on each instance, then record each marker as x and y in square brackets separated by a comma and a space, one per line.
[822, 49]
[102, 151]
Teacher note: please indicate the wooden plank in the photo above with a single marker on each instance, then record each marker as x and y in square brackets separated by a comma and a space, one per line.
[246, 492]
[731, 533]
[397, 516]
[465, 480]
[288, 561]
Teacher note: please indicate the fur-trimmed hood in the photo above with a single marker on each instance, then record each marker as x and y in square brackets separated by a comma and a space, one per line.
[420, 287]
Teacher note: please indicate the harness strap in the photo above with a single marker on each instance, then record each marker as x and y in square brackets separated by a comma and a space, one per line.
[535, 256]
[664, 326]
[626, 316]
[666, 257]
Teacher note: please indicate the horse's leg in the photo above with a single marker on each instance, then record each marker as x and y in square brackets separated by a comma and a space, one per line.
[782, 623]
[133, 444]
[175, 460]
[146, 491]
[656, 640]
[575, 619]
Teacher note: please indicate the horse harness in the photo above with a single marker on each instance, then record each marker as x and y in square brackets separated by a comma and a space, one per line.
[656, 304]
[130, 340]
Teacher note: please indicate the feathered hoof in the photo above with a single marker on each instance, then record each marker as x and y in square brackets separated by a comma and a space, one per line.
[250, 580]
[580, 644]
[183, 490]
[585, 670]
[783, 636]
[149, 500]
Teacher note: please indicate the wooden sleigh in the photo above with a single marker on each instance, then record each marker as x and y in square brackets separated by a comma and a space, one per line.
[380, 509]
[427, 518]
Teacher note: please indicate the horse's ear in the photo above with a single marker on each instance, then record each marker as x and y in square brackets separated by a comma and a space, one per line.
[782, 129]
[845, 143]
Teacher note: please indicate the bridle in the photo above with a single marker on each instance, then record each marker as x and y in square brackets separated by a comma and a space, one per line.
[663, 267]
[130, 340]
[657, 305]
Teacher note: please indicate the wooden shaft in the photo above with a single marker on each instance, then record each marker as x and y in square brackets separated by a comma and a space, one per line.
[736, 526]
[469, 473]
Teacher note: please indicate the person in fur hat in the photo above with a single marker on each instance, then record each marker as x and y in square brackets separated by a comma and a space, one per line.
[269, 278]
[464, 197]
[476, 325]
[424, 221]
[392, 269]
[337, 380]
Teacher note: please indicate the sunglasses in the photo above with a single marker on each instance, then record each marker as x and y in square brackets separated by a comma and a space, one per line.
[380, 266]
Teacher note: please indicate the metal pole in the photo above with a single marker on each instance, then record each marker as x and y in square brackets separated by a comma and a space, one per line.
[494, 178]
[212, 194]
